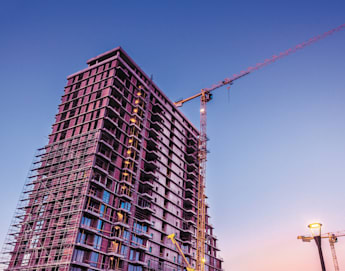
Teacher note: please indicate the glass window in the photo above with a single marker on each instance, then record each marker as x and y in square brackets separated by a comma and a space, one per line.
[126, 205]
[102, 210]
[97, 242]
[81, 238]
[86, 221]
[106, 196]
[131, 255]
[126, 235]
[94, 259]
[124, 250]
[78, 255]
[137, 241]
[100, 225]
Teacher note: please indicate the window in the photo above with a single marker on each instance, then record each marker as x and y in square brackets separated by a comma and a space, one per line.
[78, 255]
[100, 225]
[86, 221]
[106, 196]
[125, 205]
[132, 267]
[102, 210]
[97, 242]
[137, 241]
[139, 228]
[124, 250]
[132, 255]
[126, 235]
[94, 259]
[81, 238]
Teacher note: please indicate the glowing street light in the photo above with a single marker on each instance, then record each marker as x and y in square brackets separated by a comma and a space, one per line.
[315, 229]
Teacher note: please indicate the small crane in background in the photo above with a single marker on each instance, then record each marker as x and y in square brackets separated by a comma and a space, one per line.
[332, 238]
[206, 96]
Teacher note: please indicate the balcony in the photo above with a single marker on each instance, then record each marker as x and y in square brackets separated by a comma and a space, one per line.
[142, 234]
[125, 195]
[150, 166]
[189, 193]
[138, 262]
[142, 216]
[190, 158]
[145, 191]
[191, 150]
[145, 205]
[157, 108]
[147, 178]
[192, 141]
[190, 210]
[115, 252]
[151, 155]
[157, 118]
[156, 126]
[192, 175]
[152, 133]
[189, 184]
[187, 203]
[191, 167]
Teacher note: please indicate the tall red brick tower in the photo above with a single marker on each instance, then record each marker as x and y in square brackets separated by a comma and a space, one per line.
[118, 175]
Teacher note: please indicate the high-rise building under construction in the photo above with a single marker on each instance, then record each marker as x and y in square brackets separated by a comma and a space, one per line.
[118, 175]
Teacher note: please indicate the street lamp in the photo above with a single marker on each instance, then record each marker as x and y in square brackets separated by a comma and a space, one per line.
[315, 229]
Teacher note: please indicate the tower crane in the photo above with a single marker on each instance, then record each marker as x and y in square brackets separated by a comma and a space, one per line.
[205, 96]
[332, 238]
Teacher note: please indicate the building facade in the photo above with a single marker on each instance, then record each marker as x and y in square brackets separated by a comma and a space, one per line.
[118, 175]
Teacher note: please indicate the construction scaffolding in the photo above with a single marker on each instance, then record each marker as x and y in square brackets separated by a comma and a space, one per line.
[46, 221]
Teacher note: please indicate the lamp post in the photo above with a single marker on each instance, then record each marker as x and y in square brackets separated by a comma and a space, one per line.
[315, 229]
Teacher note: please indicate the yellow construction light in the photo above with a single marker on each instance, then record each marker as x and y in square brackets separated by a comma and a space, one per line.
[133, 120]
[136, 101]
[119, 216]
[125, 174]
[135, 110]
[127, 162]
[129, 152]
[130, 141]
[140, 87]
[203, 260]
[139, 93]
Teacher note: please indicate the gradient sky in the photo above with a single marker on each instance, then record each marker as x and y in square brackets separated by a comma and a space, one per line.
[277, 140]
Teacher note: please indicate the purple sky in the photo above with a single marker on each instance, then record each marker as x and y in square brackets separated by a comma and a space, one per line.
[277, 140]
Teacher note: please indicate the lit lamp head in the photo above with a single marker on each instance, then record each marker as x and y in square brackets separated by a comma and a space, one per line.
[315, 229]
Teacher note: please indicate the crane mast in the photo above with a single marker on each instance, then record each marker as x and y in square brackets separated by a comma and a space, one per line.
[332, 240]
[205, 96]
[202, 156]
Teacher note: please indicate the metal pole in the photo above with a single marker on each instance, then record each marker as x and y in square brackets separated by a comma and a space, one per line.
[318, 243]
